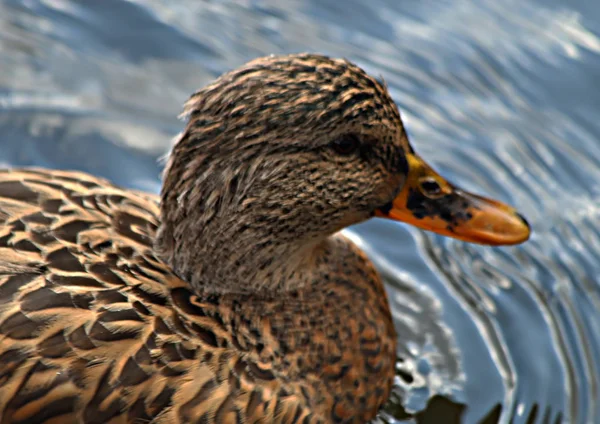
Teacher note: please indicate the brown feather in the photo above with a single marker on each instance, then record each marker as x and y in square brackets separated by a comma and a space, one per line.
[97, 326]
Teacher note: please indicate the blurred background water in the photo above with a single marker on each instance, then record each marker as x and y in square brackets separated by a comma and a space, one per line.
[501, 96]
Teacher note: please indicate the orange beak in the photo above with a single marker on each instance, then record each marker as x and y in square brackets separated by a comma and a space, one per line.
[428, 201]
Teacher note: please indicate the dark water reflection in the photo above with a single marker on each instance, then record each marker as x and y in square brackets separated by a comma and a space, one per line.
[501, 96]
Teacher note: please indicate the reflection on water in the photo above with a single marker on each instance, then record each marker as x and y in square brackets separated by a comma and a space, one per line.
[500, 96]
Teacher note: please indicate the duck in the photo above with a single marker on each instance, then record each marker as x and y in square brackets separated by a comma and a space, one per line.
[233, 296]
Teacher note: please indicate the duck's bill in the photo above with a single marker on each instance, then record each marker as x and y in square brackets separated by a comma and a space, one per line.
[428, 201]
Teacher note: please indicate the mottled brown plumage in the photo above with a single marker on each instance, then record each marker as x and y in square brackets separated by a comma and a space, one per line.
[255, 165]
[234, 300]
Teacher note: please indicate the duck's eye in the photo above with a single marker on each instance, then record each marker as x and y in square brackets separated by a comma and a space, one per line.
[431, 187]
[346, 145]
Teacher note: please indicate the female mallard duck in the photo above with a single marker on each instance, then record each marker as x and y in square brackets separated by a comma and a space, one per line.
[234, 298]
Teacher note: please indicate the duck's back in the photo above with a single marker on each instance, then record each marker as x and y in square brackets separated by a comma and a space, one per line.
[95, 329]
[86, 321]
[75, 296]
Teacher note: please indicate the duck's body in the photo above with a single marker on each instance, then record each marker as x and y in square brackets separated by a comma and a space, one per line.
[95, 329]
[232, 298]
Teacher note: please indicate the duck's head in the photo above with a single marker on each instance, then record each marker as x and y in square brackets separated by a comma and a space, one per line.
[285, 151]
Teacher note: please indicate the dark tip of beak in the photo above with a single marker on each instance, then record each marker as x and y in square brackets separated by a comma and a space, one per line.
[524, 220]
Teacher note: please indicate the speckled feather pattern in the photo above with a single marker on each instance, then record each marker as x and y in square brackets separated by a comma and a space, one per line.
[254, 164]
[233, 298]
[94, 328]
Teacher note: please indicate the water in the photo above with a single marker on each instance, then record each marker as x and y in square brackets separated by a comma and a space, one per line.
[500, 96]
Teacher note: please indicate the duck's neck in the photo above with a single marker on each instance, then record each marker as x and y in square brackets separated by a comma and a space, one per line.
[225, 228]
[233, 256]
